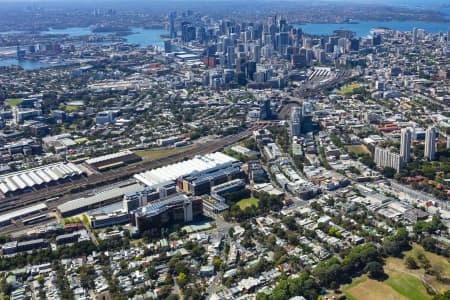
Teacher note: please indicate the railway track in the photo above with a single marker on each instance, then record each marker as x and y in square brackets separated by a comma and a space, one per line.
[112, 176]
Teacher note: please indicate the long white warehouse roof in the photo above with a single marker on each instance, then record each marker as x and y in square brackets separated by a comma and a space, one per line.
[108, 156]
[168, 173]
[28, 178]
[22, 212]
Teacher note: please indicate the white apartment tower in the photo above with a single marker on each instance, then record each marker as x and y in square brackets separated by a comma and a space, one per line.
[430, 143]
[405, 145]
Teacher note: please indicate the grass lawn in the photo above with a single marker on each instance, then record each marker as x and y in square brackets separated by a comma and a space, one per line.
[71, 108]
[373, 290]
[436, 261]
[402, 283]
[244, 203]
[407, 285]
[154, 154]
[14, 101]
[357, 149]
[348, 89]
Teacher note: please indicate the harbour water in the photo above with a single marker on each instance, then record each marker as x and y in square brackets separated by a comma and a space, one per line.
[362, 28]
[141, 36]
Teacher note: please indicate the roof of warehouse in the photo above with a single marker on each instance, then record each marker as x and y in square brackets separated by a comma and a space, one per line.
[108, 156]
[196, 164]
[27, 178]
[98, 198]
[22, 212]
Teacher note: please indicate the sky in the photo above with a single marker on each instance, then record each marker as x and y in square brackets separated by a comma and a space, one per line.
[394, 2]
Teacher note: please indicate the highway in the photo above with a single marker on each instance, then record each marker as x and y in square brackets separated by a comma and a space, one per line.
[111, 176]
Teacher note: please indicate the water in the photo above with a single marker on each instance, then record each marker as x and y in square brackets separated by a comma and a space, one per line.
[146, 37]
[25, 64]
[363, 28]
[142, 37]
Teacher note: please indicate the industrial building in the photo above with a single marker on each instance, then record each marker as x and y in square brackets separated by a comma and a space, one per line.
[80, 205]
[113, 160]
[178, 208]
[206, 163]
[6, 219]
[15, 246]
[37, 177]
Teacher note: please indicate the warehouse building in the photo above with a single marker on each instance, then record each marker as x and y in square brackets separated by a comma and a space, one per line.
[113, 195]
[7, 219]
[15, 246]
[21, 181]
[199, 164]
[113, 160]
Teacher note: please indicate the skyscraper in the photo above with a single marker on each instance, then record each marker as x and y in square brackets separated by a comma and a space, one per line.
[430, 143]
[295, 124]
[307, 111]
[405, 145]
[172, 31]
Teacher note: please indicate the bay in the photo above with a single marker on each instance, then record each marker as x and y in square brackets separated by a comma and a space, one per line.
[140, 36]
[362, 28]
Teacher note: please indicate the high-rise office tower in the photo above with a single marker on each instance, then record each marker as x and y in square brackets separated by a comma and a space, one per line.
[405, 145]
[257, 53]
[172, 31]
[295, 124]
[187, 32]
[167, 46]
[230, 56]
[430, 143]
[307, 111]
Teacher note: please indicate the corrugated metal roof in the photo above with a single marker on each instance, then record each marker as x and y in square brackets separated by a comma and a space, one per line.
[27, 178]
[98, 198]
[195, 165]
[22, 212]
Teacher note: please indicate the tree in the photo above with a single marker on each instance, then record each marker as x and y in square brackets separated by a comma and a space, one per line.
[375, 270]
[172, 297]
[231, 232]
[217, 263]
[152, 273]
[181, 279]
[444, 296]
[388, 172]
[411, 263]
